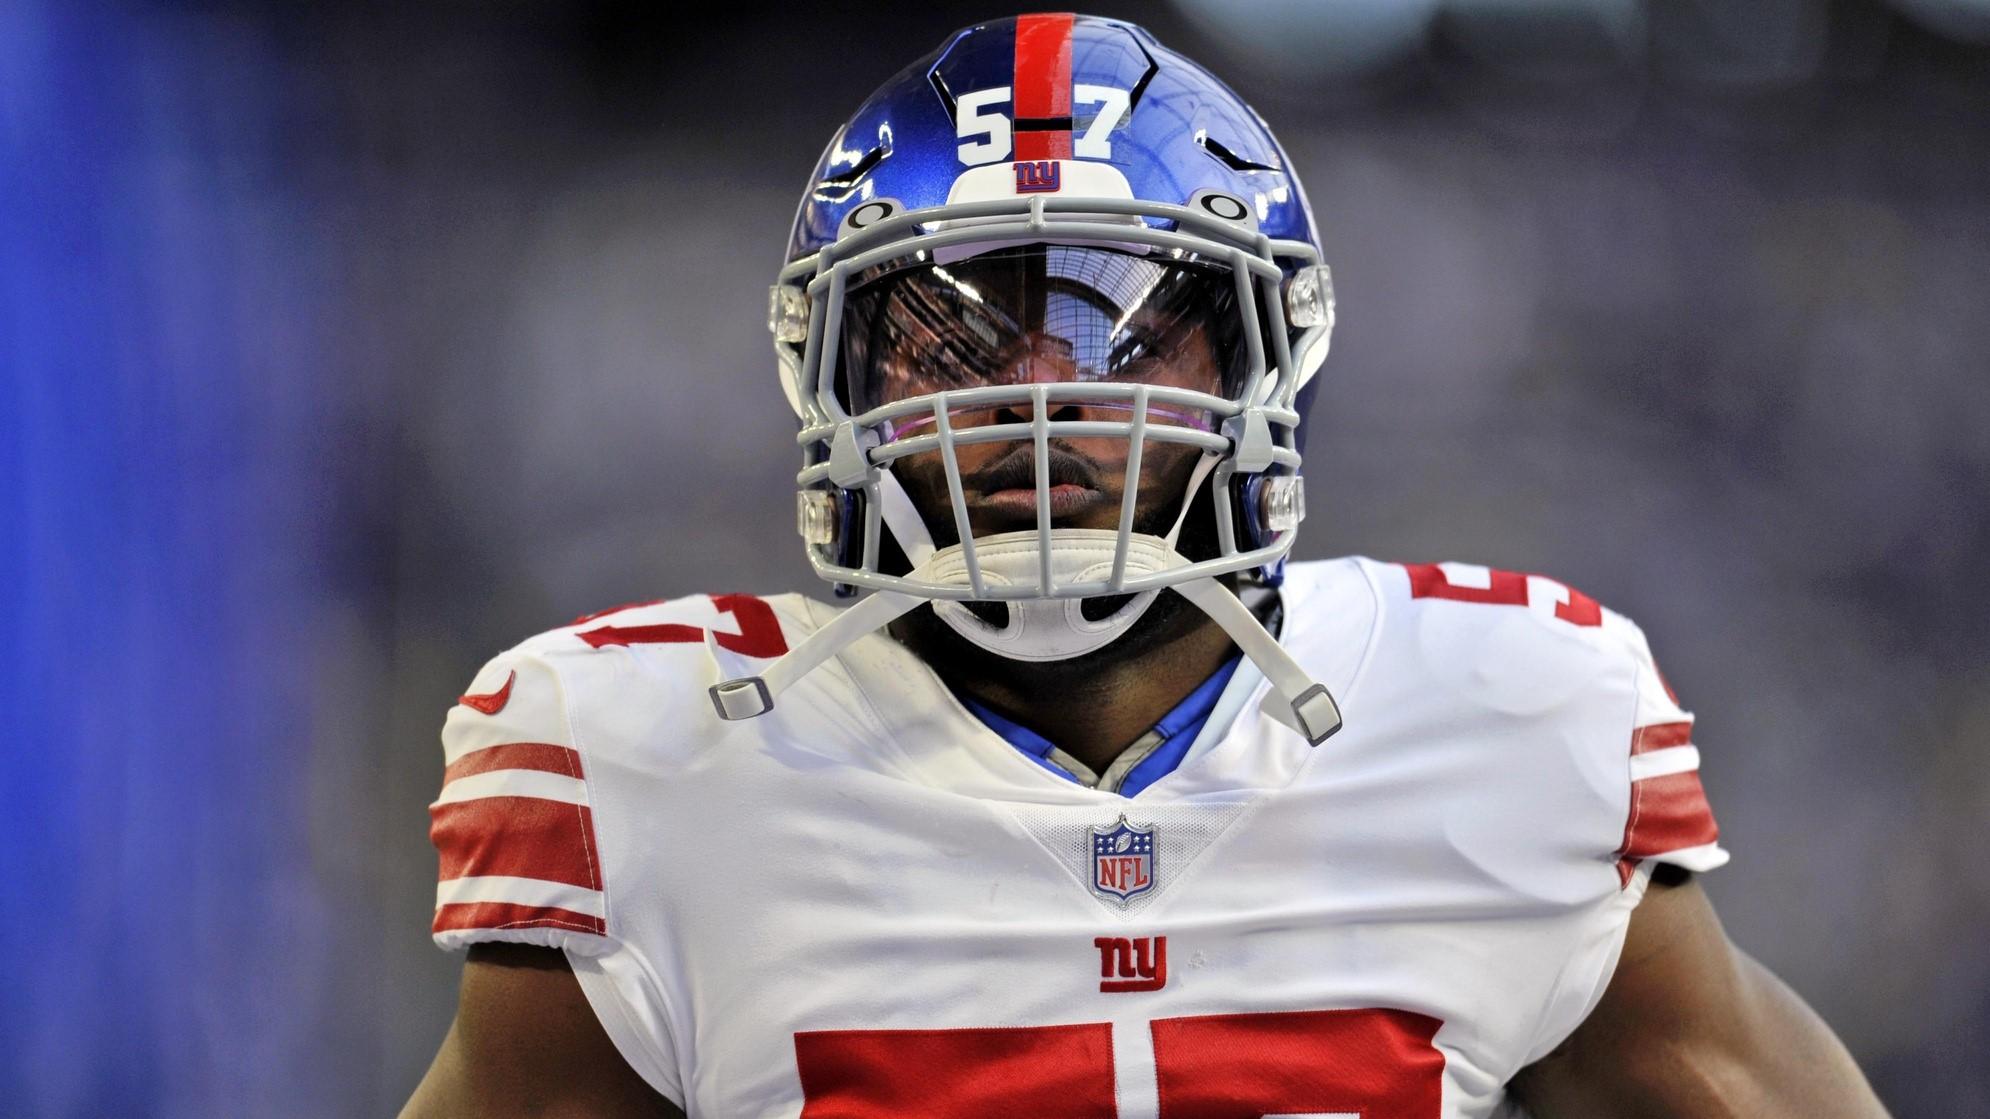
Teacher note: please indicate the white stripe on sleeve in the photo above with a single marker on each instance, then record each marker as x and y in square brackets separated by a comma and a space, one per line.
[1659, 763]
[515, 783]
[520, 891]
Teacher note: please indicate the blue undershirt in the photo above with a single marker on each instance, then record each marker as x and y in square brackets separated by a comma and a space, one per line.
[1177, 729]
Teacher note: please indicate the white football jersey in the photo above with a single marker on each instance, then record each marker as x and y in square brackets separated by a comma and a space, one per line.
[868, 904]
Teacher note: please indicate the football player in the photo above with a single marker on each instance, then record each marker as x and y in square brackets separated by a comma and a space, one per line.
[1091, 804]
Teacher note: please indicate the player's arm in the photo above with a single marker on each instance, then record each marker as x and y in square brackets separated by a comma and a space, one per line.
[526, 1043]
[1692, 1026]
[523, 867]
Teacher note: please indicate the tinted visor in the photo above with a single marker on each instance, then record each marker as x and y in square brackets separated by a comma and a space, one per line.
[1033, 314]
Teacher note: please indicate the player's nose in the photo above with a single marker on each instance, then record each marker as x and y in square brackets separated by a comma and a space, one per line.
[1045, 362]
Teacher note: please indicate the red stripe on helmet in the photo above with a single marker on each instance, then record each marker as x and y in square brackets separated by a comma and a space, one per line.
[1043, 84]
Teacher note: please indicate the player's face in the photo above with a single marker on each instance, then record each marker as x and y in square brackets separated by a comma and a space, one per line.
[1047, 315]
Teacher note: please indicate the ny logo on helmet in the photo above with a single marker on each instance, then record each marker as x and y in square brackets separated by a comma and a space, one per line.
[1038, 176]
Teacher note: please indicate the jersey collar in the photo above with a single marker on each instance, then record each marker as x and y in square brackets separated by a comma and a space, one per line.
[1150, 757]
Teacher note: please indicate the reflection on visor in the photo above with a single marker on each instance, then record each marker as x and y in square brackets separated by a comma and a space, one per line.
[1044, 314]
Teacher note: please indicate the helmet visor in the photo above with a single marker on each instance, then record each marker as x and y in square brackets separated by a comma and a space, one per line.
[1043, 313]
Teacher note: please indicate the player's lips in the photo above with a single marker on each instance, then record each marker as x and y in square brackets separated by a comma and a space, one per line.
[1020, 501]
[1006, 491]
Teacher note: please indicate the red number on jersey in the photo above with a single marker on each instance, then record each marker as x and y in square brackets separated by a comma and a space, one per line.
[957, 1074]
[1375, 1064]
[759, 630]
[1506, 588]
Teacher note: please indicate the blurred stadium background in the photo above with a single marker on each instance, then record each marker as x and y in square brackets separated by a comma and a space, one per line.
[342, 345]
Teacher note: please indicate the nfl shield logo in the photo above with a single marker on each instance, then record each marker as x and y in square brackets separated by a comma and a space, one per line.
[1122, 861]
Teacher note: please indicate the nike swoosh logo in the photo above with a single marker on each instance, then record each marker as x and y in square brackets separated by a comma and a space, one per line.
[490, 703]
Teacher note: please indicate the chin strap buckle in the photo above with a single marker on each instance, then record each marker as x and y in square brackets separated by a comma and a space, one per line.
[1317, 714]
[743, 698]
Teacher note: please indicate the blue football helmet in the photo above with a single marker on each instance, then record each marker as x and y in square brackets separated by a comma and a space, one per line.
[1051, 232]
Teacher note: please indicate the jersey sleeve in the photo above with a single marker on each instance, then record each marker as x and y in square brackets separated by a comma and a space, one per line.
[512, 827]
[1669, 820]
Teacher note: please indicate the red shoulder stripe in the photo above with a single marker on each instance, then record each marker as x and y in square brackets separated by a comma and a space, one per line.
[542, 756]
[516, 837]
[1658, 736]
[1668, 813]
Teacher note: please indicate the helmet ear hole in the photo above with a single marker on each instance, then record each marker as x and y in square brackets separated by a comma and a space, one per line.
[847, 547]
[1249, 498]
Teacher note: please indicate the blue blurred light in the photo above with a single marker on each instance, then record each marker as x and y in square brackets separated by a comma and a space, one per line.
[155, 382]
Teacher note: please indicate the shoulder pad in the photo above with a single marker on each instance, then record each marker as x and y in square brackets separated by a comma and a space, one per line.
[528, 744]
[1514, 642]
[1529, 646]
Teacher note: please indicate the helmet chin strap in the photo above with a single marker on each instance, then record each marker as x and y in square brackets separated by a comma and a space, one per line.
[1046, 629]
[1296, 699]
[895, 508]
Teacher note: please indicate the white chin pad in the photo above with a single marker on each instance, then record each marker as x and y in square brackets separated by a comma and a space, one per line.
[1048, 629]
